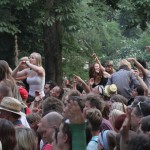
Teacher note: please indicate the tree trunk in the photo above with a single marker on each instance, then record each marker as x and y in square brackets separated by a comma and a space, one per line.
[7, 49]
[53, 53]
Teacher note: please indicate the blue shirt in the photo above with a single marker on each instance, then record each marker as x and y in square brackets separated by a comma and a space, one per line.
[93, 144]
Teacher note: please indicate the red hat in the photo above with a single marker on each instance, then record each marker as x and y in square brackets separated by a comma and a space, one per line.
[23, 93]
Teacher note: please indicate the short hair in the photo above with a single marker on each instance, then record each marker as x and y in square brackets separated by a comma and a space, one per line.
[124, 63]
[79, 100]
[138, 141]
[26, 139]
[138, 99]
[61, 93]
[109, 63]
[68, 93]
[73, 93]
[54, 118]
[66, 131]
[142, 62]
[51, 104]
[111, 139]
[33, 117]
[140, 90]
[143, 108]
[95, 100]
[7, 135]
[5, 90]
[94, 116]
[51, 84]
[145, 124]
[119, 98]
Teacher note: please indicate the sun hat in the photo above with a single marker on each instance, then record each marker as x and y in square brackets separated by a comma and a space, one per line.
[11, 104]
[110, 89]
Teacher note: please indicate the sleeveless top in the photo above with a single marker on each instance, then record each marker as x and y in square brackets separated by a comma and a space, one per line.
[36, 83]
[103, 82]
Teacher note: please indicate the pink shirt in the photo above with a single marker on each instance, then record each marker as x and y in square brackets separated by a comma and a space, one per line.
[47, 147]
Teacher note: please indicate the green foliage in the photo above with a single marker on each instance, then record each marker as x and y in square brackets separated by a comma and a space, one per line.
[110, 28]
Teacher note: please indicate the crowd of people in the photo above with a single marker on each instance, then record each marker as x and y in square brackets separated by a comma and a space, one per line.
[109, 111]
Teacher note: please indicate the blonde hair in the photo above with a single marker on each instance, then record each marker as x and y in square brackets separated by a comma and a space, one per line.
[119, 106]
[25, 58]
[114, 114]
[124, 62]
[38, 58]
[26, 139]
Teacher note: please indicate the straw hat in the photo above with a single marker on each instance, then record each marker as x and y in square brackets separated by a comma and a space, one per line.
[110, 89]
[11, 104]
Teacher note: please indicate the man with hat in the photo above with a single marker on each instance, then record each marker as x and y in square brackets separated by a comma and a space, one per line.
[10, 109]
[109, 67]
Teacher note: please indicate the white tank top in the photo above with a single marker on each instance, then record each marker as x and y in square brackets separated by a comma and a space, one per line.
[36, 83]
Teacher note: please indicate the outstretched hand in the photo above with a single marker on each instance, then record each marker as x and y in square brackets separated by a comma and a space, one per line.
[77, 78]
[74, 113]
[131, 59]
[94, 55]
[126, 124]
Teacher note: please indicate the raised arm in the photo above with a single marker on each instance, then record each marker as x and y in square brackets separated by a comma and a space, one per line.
[139, 66]
[125, 130]
[16, 73]
[98, 61]
[38, 69]
[142, 83]
[77, 126]
[84, 85]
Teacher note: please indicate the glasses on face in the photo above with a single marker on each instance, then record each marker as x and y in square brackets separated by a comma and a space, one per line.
[139, 106]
